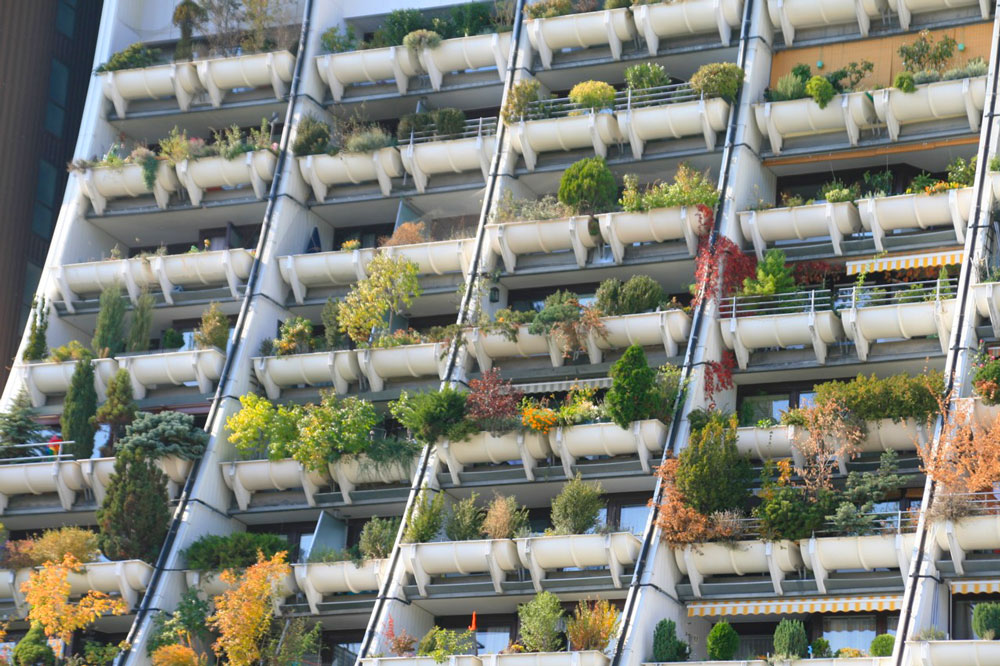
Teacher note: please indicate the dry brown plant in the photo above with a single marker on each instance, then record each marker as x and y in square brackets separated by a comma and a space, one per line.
[830, 434]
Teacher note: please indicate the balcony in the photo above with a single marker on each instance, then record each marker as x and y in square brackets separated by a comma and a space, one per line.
[610, 27]
[127, 578]
[313, 369]
[396, 63]
[466, 53]
[97, 473]
[531, 136]
[775, 442]
[670, 112]
[528, 447]
[246, 477]
[835, 220]
[615, 551]
[876, 551]
[920, 309]
[173, 368]
[784, 320]
[494, 556]
[57, 474]
[210, 585]
[507, 240]
[978, 531]
[253, 168]
[954, 653]
[52, 378]
[321, 171]
[427, 153]
[960, 98]
[318, 579]
[778, 559]
[791, 15]
[113, 182]
[880, 215]
[220, 75]
[907, 8]
[848, 112]
[608, 439]
[693, 17]
[352, 471]
[658, 225]
[429, 359]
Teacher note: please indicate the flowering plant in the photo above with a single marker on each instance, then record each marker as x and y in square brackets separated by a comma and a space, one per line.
[986, 377]
[538, 416]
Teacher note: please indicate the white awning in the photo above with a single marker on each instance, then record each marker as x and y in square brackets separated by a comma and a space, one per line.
[977, 586]
[565, 385]
[903, 261]
[788, 606]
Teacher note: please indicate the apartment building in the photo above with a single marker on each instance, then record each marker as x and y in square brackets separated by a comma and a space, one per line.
[442, 313]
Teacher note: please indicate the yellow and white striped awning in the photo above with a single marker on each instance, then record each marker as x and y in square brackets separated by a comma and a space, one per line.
[903, 261]
[979, 586]
[788, 606]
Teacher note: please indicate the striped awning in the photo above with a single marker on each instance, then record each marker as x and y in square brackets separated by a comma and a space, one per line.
[565, 385]
[789, 606]
[979, 586]
[903, 261]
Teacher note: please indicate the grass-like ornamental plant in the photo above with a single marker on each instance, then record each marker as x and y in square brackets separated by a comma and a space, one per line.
[646, 75]
[421, 39]
[426, 517]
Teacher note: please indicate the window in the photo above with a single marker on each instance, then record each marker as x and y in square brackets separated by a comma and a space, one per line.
[41, 220]
[58, 82]
[55, 119]
[849, 632]
[45, 191]
[66, 17]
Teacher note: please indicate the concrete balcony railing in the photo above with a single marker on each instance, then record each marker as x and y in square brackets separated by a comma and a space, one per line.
[318, 579]
[312, 369]
[173, 368]
[97, 473]
[615, 551]
[465, 53]
[835, 220]
[426, 154]
[681, 19]
[960, 98]
[610, 27]
[322, 171]
[883, 215]
[669, 112]
[451, 660]
[987, 298]
[210, 585]
[52, 378]
[497, 557]
[791, 15]
[127, 578]
[850, 113]
[826, 661]
[103, 183]
[257, 70]
[589, 658]
[55, 474]
[508, 240]
[980, 531]
[907, 8]
[428, 359]
[352, 471]
[395, 63]
[621, 229]
[641, 439]
[531, 136]
[778, 559]
[529, 447]
[254, 168]
[779, 441]
[875, 313]
[953, 653]
[877, 551]
[246, 477]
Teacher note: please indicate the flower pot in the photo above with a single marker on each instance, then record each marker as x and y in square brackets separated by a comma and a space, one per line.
[103, 183]
[321, 171]
[483, 447]
[312, 369]
[744, 334]
[768, 443]
[175, 368]
[740, 558]
[178, 80]
[427, 359]
[916, 211]
[668, 328]
[674, 121]
[221, 75]
[126, 577]
[338, 70]
[954, 653]
[608, 439]
[510, 239]
[62, 477]
[692, 17]
[833, 220]
[423, 160]
[255, 169]
[865, 325]
[960, 98]
[317, 579]
[493, 556]
[202, 269]
[245, 477]
[531, 137]
[53, 378]
[790, 15]
[464, 53]
[352, 471]
[850, 113]
[888, 435]
[489, 347]
[541, 553]
[657, 225]
[610, 27]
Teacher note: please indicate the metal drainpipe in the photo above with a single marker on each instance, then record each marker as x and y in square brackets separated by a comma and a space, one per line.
[185, 498]
[688, 366]
[956, 349]
[512, 66]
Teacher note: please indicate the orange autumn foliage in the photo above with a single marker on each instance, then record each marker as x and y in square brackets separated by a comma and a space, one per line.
[967, 457]
[243, 612]
[679, 524]
[47, 593]
[175, 655]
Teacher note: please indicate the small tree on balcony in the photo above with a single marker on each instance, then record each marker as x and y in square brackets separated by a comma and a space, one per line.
[712, 474]
[18, 426]
[391, 285]
[77, 420]
[33, 649]
[119, 409]
[37, 348]
[133, 517]
[214, 329]
[109, 333]
[187, 15]
[164, 434]
[142, 323]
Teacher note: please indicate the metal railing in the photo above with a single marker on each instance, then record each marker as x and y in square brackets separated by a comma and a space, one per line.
[868, 296]
[881, 522]
[472, 128]
[972, 504]
[37, 452]
[795, 302]
[675, 93]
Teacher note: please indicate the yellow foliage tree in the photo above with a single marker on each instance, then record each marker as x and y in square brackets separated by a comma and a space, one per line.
[243, 612]
[47, 593]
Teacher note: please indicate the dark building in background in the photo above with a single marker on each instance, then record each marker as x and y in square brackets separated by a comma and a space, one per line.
[46, 55]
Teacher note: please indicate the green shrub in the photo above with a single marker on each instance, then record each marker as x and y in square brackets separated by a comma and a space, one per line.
[335, 40]
[79, 408]
[722, 642]
[588, 186]
[367, 139]
[465, 522]
[718, 79]
[470, 18]
[413, 123]
[897, 397]
[924, 53]
[164, 433]
[577, 507]
[171, 339]
[711, 472]
[235, 551]
[134, 516]
[773, 276]
[986, 620]
[821, 90]
[904, 82]
[33, 649]
[821, 649]
[539, 620]
[786, 512]
[520, 97]
[397, 25]
[593, 95]
[426, 516]
[378, 537]
[787, 87]
[882, 645]
[549, 8]
[646, 75]
[962, 171]
[448, 122]
[633, 395]
[421, 39]
[640, 293]
[790, 640]
[666, 645]
[442, 643]
[689, 188]
[312, 137]
[434, 415]
[131, 57]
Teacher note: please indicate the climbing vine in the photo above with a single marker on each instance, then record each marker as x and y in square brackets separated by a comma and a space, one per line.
[720, 266]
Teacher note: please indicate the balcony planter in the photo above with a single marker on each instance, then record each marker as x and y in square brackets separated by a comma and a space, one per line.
[338, 70]
[323, 269]
[865, 325]
[588, 658]
[987, 297]
[126, 577]
[174, 368]
[462, 53]
[202, 269]
[610, 26]
[916, 211]
[254, 168]
[491, 346]
[769, 443]
[62, 477]
[509, 239]
[790, 15]
[849, 113]
[674, 121]
[652, 226]
[450, 660]
[483, 447]
[97, 474]
[888, 435]
[971, 533]
[834, 220]
[314, 369]
[667, 328]
[423, 160]
[210, 585]
[352, 471]
[691, 17]
[530, 137]
[906, 8]
[876, 551]
[220, 75]
[92, 277]
[103, 183]
[53, 378]
[428, 359]
[493, 556]
[317, 579]
[817, 328]
[961, 98]
[994, 186]
[607, 439]
[954, 653]
[178, 80]
[246, 477]
[614, 551]
[321, 171]
[437, 257]
[743, 557]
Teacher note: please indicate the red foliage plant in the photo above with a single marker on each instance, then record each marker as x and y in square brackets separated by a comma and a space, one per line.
[401, 644]
[719, 376]
[679, 524]
[494, 404]
[720, 268]
[815, 272]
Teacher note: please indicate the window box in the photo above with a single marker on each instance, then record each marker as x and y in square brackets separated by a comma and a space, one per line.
[493, 556]
[322, 171]
[675, 120]
[954, 653]
[210, 585]
[313, 369]
[97, 474]
[531, 137]
[245, 477]
[658, 225]
[462, 53]
[916, 211]
[510, 239]
[220, 75]
[608, 439]
[876, 551]
[173, 369]
[609, 27]
[849, 113]
[961, 98]
[491, 346]
[352, 471]
[834, 220]
[886, 318]
[429, 359]
[255, 169]
[906, 8]
[318, 579]
[483, 447]
[790, 15]
[62, 477]
[178, 80]
[541, 553]
[202, 269]
[691, 17]
[338, 70]
[103, 183]
[53, 378]
[743, 557]
[425, 159]
[970, 533]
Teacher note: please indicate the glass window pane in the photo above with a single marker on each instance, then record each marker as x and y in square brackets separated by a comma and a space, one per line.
[45, 191]
[345, 654]
[633, 518]
[41, 220]
[65, 19]
[849, 632]
[492, 640]
[58, 81]
[55, 119]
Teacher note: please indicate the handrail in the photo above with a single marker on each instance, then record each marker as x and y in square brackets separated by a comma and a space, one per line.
[883, 522]
[562, 107]
[861, 296]
[794, 302]
[473, 127]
